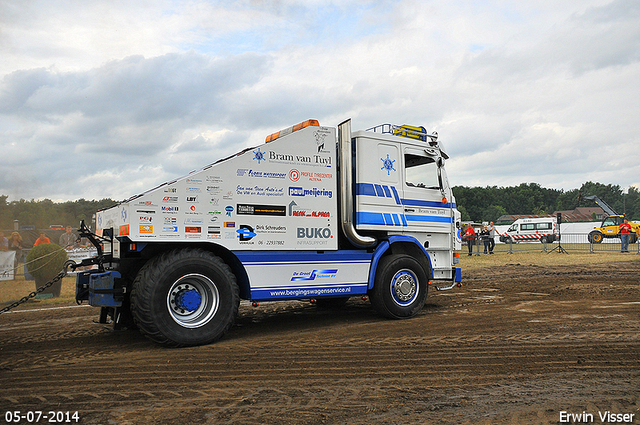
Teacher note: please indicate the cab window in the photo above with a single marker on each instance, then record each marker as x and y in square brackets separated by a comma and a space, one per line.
[421, 171]
[610, 221]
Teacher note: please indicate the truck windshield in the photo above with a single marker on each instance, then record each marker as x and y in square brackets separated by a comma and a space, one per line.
[611, 221]
[421, 171]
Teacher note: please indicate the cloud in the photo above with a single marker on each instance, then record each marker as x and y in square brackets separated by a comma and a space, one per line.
[134, 109]
[109, 99]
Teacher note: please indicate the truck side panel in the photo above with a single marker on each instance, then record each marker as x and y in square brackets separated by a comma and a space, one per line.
[278, 196]
[299, 274]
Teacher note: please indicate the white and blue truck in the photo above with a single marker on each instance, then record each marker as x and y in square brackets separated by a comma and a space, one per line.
[315, 212]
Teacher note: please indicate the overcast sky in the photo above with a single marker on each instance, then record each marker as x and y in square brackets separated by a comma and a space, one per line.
[106, 99]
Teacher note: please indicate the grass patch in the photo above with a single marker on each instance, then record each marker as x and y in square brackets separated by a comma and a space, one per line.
[13, 290]
[542, 259]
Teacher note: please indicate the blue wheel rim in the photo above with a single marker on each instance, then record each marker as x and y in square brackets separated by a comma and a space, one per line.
[404, 287]
[193, 300]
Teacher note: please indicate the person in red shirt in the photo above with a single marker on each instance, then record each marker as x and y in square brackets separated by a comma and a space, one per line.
[625, 233]
[41, 239]
[470, 236]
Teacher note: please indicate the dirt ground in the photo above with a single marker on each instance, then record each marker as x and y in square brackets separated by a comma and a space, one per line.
[517, 344]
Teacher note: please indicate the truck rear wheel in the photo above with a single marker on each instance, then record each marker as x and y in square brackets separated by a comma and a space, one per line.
[400, 287]
[185, 297]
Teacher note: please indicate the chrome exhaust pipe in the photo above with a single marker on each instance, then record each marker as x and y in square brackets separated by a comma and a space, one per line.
[346, 188]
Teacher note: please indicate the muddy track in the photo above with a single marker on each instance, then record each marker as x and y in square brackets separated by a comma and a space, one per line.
[499, 350]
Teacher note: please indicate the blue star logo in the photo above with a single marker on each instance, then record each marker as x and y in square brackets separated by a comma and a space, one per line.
[258, 155]
[387, 164]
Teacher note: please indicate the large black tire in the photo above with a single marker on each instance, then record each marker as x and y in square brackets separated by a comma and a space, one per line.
[185, 297]
[400, 287]
[595, 237]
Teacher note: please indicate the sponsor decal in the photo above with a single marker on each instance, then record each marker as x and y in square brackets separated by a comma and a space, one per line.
[294, 175]
[242, 172]
[229, 224]
[313, 233]
[214, 201]
[193, 181]
[170, 190]
[306, 213]
[316, 177]
[214, 189]
[193, 190]
[245, 233]
[123, 214]
[214, 179]
[193, 221]
[320, 136]
[259, 191]
[387, 165]
[315, 192]
[271, 210]
[229, 195]
[145, 219]
[145, 229]
[258, 156]
[146, 211]
[145, 204]
[229, 210]
[170, 199]
[193, 229]
[268, 228]
[192, 199]
[315, 160]
[296, 211]
[169, 210]
[170, 229]
[315, 274]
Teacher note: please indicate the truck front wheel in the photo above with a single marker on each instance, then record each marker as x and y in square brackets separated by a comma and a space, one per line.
[185, 297]
[400, 287]
[595, 237]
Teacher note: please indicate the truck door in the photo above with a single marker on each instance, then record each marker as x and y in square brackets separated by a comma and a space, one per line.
[425, 205]
[379, 186]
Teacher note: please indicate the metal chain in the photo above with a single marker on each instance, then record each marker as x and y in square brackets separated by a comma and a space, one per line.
[23, 300]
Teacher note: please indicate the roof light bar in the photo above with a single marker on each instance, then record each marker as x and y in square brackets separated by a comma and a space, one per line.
[307, 123]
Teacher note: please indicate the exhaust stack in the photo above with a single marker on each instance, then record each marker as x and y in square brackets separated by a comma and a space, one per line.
[346, 192]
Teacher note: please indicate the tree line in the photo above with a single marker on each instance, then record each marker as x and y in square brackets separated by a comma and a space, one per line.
[475, 204]
[480, 204]
[45, 213]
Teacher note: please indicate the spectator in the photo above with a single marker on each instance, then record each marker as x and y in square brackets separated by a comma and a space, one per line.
[484, 234]
[15, 244]
[68, 239]
[625, 233]
[42, 239]
[4, 242]
[470, 237]
[492, 237]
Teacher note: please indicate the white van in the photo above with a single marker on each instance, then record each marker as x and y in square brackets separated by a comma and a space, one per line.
[543, 229]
